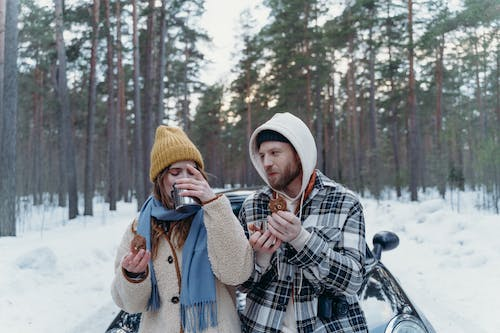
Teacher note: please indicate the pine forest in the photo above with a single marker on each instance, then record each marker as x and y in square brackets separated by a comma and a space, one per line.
[401, 95]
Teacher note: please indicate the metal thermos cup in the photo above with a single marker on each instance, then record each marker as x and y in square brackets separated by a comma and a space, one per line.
[182, 203]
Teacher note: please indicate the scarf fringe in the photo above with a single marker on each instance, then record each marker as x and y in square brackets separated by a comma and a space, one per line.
[154, 301]
[198, 317]
[198, 305]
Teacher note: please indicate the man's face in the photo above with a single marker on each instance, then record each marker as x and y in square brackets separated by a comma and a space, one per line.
[281, 163]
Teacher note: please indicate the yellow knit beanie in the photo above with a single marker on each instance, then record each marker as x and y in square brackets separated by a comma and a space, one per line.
[171, 145]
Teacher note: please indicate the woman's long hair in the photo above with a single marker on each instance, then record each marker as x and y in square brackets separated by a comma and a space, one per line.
[178, 230]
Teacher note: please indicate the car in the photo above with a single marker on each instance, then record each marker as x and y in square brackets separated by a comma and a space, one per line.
[386, 306]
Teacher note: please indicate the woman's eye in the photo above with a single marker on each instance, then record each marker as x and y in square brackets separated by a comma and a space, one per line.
[174, 172]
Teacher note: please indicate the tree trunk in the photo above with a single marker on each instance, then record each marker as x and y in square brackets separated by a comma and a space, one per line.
[318, 107]
[185, 98]
[483, 127]
[2, 57]
[319, 124]
[307, 56]
[497, 88]
[340, 142]
[36, 145]
[352, 122]
[373, 154]
[123, 168]
[91, 107]
[68, 154]
[148, 132]
[393, 118]
[138, 153]
[112, 117]
[57, 156]
[248, 163]
[412, 113]
[8, 112]
[395, 150]
[441, 174]
[162, 60]
[331, 146]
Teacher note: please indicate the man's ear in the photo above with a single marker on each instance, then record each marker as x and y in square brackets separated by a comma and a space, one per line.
[297, 159]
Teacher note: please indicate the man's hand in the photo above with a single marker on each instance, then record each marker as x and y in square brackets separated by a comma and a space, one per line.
[284, 225]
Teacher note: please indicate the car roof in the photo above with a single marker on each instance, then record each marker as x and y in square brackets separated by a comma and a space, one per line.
[241, 191]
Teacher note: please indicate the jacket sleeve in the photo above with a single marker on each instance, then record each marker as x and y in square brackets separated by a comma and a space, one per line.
[257, 270]
[129, 296]
[332, 259]
[229, 251]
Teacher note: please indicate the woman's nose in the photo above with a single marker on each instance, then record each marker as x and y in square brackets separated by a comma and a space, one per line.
[185, 174]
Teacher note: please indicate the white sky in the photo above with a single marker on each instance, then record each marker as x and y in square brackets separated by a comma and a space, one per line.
[55, 276]
[221, 21]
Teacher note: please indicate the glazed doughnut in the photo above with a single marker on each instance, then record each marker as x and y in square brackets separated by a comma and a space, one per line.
[137, 243]
[277, 204]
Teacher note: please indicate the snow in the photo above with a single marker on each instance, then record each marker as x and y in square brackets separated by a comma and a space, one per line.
[56, 274]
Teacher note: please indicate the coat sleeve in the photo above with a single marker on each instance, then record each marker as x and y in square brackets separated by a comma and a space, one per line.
[333, 257]
[257, 271]
[229, 251]
[129, 296]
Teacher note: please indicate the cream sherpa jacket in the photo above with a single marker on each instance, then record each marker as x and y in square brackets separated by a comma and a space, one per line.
[230, 255]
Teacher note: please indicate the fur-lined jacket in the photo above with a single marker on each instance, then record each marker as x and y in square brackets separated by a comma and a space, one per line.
[231, 258]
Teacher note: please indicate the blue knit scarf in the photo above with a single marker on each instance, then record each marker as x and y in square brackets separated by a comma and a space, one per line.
[198, 300]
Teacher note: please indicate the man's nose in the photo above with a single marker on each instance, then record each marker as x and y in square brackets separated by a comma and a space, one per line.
[267, 161]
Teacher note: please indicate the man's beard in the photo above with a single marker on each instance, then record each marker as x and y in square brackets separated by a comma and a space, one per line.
[289, 174]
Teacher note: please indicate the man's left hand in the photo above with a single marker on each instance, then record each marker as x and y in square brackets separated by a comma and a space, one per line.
[284, 225]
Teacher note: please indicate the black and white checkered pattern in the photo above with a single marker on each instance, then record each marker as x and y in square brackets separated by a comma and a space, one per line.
[331, 260]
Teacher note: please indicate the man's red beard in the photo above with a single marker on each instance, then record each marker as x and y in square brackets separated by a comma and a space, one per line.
[282, 180]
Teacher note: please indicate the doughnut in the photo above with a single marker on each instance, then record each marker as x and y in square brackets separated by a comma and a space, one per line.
[137, 243]
[277, 204]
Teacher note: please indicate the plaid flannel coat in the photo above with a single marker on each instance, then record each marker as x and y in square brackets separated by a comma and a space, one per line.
[332, 260]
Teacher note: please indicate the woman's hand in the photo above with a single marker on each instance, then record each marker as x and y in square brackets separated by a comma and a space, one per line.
[196, 186]
[264, 241]
[136, 263]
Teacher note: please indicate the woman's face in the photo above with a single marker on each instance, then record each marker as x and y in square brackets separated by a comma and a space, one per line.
[176, 171]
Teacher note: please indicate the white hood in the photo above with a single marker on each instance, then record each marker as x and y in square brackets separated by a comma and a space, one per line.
[299, 135]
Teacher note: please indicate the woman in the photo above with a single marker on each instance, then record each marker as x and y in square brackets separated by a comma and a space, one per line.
[178, 268]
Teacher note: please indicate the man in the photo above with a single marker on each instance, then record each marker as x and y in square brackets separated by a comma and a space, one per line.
[308, 235]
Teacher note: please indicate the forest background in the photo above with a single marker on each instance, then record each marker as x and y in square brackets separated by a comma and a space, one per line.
[400, 95]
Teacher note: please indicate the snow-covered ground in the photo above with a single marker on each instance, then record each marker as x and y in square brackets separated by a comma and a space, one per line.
[55, 275]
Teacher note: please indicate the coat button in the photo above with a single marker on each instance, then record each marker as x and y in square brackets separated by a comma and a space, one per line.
[175, 299]
[170, 259]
